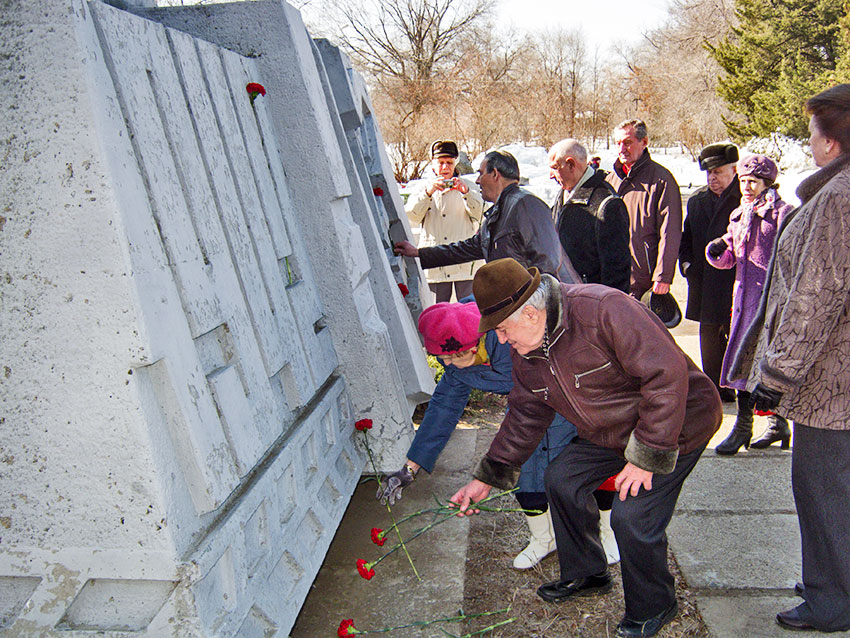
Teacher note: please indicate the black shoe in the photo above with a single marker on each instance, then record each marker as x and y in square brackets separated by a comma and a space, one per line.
[732, 443]
[799, 589]
[644, 628]
[790, 619]
[559, 590]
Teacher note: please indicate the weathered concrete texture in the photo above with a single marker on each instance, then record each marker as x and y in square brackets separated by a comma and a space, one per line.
[761, 482]
[177, 441]
[393, 596]
[752, 615]
[738, 550]
[385, 368]
[381, 216]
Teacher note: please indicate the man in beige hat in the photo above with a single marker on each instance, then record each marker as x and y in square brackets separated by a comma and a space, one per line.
[643, 410]
[449, 208]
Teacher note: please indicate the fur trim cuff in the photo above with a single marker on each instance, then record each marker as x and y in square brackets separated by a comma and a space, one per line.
[497, 474]
[649, 458]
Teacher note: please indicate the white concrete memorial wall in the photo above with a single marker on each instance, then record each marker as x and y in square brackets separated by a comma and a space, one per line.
[198, 299]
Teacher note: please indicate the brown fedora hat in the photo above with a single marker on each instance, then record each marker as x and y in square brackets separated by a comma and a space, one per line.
[500, 287]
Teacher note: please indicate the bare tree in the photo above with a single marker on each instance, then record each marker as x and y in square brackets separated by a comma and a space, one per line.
[671, 81]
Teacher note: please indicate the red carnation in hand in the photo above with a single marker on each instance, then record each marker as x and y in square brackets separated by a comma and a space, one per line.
[254, 89]
[762, 412]
[404, 290]
[363, 424]
[346, 628]
[378, 536]
[378, 191]
[365, 569]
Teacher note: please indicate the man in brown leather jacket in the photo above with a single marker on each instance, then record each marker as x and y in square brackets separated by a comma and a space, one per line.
[643, 410]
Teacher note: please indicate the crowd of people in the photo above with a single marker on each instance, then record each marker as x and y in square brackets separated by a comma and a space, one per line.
[570, 315]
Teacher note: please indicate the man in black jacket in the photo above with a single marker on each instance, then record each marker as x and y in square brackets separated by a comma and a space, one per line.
[710, 289]
[518, 225]
[592, 220]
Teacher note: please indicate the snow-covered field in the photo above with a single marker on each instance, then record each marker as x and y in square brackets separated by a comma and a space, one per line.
[795, 163]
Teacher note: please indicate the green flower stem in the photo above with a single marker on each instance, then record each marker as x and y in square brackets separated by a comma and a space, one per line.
[481, 631]
[415, 535]
[448, 513]
[389, 510]
[426, 623]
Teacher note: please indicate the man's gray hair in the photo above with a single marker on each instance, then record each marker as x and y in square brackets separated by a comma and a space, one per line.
[568, 147]
[503, 162]
[639, 126]
[537, 299]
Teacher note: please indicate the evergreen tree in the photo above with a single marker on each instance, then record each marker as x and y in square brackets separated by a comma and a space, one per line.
[781, 53]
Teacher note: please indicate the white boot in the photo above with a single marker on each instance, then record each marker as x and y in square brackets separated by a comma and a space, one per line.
[606, 535]
[542, 541]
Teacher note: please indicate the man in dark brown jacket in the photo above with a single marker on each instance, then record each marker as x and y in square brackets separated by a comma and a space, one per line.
[654, 203]
[643, 410]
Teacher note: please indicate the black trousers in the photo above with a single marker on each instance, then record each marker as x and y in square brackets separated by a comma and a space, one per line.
[820, 476]
[639, 523]
[443, 290]
[713, 338]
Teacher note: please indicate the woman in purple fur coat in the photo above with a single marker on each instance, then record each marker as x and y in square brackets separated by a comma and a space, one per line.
[747, 247]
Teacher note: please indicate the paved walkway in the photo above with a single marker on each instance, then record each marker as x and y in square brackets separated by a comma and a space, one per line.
[734, 535]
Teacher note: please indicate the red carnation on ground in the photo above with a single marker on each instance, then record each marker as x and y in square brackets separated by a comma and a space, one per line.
[363, 424]
[346, 628]
[378, 191]
[378, 536]
[365, 569]
[404, 290]
[254, 89]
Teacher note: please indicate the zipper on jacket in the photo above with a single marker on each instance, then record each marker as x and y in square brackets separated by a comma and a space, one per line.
[584, 374]
[545, 392]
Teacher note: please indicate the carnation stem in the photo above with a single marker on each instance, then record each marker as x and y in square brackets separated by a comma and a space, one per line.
[459, 618]
[389, 509]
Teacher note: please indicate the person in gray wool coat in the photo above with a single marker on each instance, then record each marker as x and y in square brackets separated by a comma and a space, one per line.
[794, 357]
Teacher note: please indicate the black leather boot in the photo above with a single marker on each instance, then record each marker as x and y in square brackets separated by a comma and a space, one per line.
[777, 430]
[742, 431]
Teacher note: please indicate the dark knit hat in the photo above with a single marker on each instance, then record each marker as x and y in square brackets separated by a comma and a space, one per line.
[450, 327]
[715, 155]
[444, 148]
[758, 166]
[500, 287]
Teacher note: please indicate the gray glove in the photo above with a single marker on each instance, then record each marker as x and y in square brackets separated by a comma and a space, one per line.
[395, 483]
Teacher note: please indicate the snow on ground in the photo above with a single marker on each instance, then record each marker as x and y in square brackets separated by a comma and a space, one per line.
[793, 157]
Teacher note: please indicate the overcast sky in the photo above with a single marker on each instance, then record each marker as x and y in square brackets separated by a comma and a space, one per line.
[603, 22]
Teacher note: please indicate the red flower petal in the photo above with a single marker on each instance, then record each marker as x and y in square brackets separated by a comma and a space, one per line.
[346, 628]
[377, 537]
[762, 412]
[363, 424]
[608, 484]
[365, 572]
[378, 191]
[404, 290]
[254, 87]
